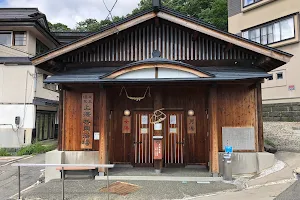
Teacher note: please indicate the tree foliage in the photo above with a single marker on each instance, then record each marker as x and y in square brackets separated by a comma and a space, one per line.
[210, 11]
[58, 27]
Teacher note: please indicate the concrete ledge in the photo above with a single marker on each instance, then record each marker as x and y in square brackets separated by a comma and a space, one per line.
[248, 162]
[53, 157]
[159, 178]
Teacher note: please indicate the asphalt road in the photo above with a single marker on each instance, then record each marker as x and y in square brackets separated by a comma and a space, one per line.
[29, 176]
[292, 193]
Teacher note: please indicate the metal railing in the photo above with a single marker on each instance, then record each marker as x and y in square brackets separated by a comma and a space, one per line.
[19, 165]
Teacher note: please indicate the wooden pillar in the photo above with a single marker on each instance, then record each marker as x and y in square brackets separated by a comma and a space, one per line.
[102, 130]
[259, 118]
[60, 117]
[213, 127]
[157, 104]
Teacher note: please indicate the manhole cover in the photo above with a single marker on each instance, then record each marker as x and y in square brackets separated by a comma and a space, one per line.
[120, 188]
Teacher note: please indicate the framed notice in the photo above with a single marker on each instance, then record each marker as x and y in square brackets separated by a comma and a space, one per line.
[173, 130]
[144, 119]
[172, 119]
[144, 130]
[87, 120]
[191, 125]
[157, 144]
[126, 124]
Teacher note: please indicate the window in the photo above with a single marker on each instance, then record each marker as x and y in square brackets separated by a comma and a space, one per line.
[273, 32]
[20, 38]
[270, 78]
[249, 2]
[40, 47]
[5, 38]
[280, 75]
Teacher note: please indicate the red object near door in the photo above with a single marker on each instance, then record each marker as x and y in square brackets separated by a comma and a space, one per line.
[157, 150]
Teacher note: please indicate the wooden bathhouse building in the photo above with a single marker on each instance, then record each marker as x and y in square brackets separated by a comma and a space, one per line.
[160, 89]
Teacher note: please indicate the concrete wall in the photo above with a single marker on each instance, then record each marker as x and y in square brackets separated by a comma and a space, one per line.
[285, 112]
[68, 157]
[41, 91]
[248, 163]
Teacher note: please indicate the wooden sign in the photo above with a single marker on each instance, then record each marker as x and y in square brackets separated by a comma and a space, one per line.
[191, 125]
[157, 149]
[87, 121]
[126, 124]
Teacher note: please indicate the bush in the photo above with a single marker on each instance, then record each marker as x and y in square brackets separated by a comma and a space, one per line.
[4, 152]
[269, 142]
[36, 148]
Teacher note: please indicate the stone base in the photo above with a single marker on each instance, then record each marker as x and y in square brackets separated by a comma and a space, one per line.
[68, 157]
[248, 163]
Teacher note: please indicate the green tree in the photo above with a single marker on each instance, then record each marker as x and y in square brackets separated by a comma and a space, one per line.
[58, 27]
[88, 25]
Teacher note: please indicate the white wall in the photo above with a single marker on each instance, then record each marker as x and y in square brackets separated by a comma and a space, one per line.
[13, 81]
[11, 137]
[42, 92]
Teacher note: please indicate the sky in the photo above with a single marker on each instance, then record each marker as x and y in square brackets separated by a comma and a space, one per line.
[70, 12]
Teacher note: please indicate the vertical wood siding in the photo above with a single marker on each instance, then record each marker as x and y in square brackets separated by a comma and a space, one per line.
[175, 43]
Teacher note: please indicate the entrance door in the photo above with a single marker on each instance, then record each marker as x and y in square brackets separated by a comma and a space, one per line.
[143, 139]
[174, 138]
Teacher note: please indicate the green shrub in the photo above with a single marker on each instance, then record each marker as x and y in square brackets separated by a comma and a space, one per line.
[4, 152]
[269, 142]
[36, 148]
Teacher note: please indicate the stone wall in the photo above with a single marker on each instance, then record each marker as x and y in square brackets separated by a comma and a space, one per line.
[284, 112]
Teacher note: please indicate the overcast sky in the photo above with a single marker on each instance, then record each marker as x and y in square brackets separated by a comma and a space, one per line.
[71, 11]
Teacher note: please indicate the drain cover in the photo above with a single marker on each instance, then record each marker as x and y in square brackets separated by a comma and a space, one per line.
[120, 188]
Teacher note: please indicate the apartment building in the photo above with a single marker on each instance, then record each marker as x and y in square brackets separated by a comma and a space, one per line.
[274, 23]
[27, 106]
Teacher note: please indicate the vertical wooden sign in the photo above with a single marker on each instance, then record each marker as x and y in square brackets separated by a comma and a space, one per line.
[191, 125]
[87, 121]
[157, 149]
[126, 124]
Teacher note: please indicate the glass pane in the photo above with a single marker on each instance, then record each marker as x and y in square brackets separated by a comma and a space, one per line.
[248, 2]
[276, 30]
[287, 28]
[245, 34]
[279, 75]
[270, 34]
[264, 39]
[5, 39]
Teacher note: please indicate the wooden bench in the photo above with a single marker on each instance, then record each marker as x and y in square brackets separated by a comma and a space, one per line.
[78, 171]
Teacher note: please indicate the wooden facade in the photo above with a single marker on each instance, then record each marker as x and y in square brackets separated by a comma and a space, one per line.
[214, 75]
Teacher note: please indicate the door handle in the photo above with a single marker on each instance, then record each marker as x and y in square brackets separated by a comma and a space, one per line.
[179, 142]
[137, 142]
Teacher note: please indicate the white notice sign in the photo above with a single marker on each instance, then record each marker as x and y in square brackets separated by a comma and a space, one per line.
[144, 130]
[144, 119]
[173, 130]
[172, 119]
[158, 127]
[96, 135]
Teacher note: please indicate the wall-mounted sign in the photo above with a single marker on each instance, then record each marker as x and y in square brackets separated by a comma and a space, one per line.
[191, 125]
[96, 136]
[157, 149]
[126, 124]
[292, 87]
[172, 119]
[87, 120]
[144, 119]
[158, 127]
[173, 130]
[144, 130]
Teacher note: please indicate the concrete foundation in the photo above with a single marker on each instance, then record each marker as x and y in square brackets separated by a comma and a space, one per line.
[248, 163]
[68, 157]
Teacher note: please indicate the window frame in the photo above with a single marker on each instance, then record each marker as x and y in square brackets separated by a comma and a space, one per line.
[277, 73]
[14, 38]
[11, 40]
[272, 23]
[254, 2]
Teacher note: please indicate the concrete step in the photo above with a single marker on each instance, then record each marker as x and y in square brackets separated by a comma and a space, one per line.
[159, 178]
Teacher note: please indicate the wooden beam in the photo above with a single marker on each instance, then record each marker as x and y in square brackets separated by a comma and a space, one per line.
[60, 117]
[103, 129]
[259, 118]
[213, 127]
[94, 38]
[228, 38]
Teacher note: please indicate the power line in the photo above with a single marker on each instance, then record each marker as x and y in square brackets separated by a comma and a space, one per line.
[109, 13]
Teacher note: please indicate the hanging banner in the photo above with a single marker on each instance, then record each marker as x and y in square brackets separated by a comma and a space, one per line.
[191, 125]
[87, 121]
[126, 124]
